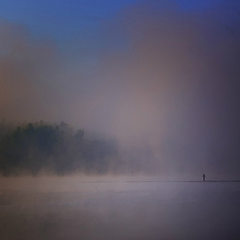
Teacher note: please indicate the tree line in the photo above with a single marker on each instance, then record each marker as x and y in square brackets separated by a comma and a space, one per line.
[33, 147]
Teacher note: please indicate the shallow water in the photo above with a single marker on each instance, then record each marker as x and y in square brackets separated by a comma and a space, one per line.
[73, 208]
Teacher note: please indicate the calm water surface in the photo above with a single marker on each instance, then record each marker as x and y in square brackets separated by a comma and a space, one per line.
[77, 209]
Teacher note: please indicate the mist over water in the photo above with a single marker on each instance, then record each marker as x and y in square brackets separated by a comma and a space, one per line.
[160, 79]
[93, 208]
[150, 95]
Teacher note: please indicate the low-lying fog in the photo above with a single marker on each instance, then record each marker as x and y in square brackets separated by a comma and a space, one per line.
[117, 208]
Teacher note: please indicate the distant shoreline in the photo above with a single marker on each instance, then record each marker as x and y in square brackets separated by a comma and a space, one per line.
[230, 181]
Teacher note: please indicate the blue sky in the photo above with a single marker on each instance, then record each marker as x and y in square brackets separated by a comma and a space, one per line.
[61, 18]
[75, 25]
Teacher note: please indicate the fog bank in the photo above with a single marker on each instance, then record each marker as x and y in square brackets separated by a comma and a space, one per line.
[163, 81]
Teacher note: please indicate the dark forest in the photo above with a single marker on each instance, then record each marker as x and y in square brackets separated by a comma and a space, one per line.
[31, 147]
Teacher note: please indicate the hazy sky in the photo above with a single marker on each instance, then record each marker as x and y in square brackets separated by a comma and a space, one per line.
[159, 73]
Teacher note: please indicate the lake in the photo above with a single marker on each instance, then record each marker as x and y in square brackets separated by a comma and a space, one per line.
[93, 208]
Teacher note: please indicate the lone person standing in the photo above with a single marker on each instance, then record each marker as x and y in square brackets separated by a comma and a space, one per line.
[203, 177]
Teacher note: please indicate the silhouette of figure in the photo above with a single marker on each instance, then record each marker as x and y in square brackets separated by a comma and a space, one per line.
[203, 177]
